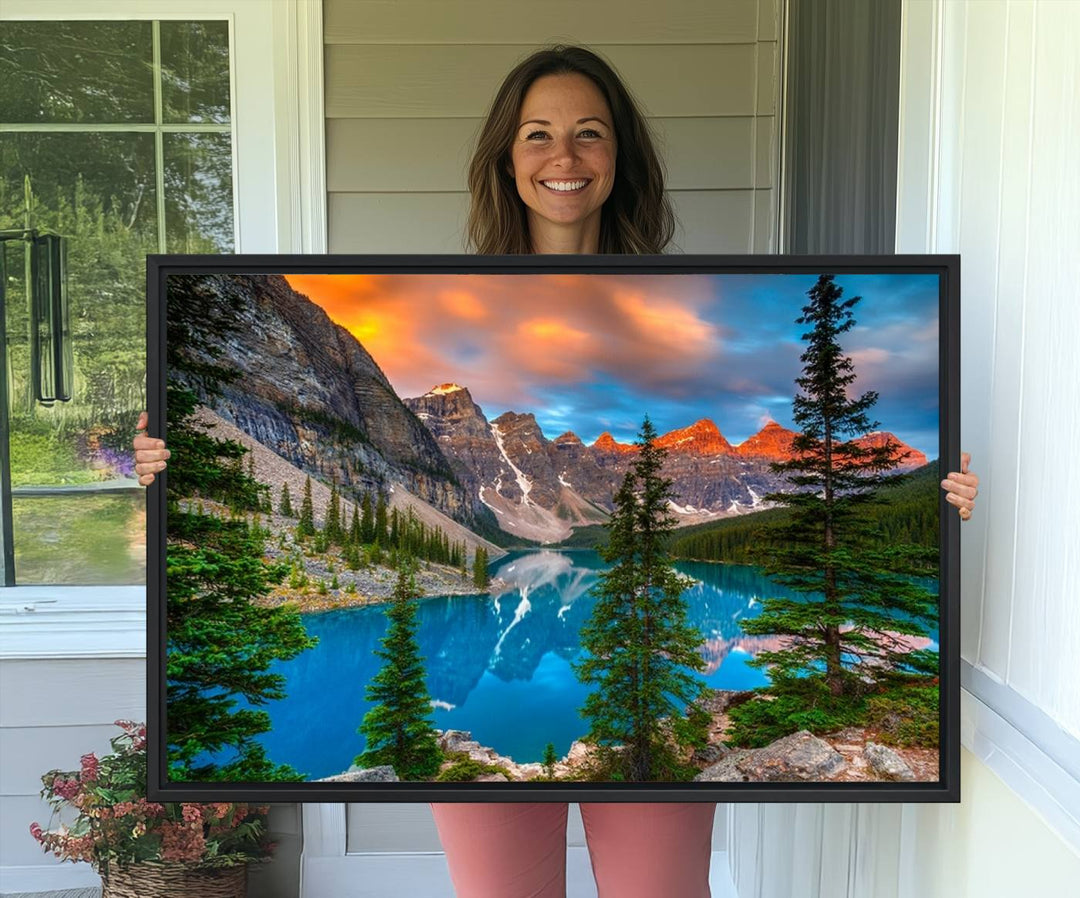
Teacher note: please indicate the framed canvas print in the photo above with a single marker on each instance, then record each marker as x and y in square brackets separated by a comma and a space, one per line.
[572, 528]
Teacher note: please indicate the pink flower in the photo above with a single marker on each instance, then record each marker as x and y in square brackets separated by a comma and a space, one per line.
[89, 768]
[192, 813]
[65, 788]
[151, 808]
[36, 832]
[181, 842]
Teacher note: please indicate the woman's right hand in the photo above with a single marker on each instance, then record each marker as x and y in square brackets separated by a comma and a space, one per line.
[150, 453]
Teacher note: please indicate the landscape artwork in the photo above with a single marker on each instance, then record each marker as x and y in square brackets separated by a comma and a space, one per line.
[552, 531]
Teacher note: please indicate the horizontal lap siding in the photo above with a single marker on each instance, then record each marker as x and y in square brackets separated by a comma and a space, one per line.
[408, 83]
[53, 712]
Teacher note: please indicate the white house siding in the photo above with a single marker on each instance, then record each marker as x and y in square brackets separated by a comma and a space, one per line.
[408, 82]
[54, 710]
[988, 168]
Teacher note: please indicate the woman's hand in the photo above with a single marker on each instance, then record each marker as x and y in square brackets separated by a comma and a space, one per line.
[150, 454]
[961, 488]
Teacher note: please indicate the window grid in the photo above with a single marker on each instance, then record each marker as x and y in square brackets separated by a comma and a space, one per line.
[158, 128]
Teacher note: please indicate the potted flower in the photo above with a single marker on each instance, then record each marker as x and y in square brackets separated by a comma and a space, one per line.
[141, 847]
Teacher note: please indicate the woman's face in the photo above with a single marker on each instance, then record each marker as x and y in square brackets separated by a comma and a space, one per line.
[563, 154]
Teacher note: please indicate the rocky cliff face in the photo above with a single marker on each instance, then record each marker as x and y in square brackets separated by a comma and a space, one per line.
[509, 465]
[310, 392]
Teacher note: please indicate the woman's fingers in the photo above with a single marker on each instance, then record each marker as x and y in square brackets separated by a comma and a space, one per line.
[968, 487]
[961, 487]
[150, 452]
[960, 501]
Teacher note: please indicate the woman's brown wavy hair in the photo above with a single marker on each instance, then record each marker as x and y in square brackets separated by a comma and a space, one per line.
[637, 216]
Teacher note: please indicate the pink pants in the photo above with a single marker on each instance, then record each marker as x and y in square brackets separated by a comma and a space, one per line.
[649, 850]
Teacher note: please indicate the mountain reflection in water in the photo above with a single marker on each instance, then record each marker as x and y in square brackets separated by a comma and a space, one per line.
[498, 664]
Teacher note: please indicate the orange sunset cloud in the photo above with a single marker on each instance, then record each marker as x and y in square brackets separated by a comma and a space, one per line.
[463, 304]
[486, 332]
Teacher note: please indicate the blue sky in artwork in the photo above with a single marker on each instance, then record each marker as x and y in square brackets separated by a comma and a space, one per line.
[893, 344]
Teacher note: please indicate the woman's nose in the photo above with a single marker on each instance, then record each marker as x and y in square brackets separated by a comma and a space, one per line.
[564, 149]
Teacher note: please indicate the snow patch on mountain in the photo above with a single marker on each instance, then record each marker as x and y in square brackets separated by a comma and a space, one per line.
[523, 482]
[443, 389]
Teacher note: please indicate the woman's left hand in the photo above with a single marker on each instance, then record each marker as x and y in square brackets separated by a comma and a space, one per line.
[962, 487]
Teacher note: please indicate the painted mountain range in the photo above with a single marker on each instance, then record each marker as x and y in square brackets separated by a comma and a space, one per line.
[541, 488]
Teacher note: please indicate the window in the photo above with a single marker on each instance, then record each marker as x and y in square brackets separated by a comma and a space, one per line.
[118, 136]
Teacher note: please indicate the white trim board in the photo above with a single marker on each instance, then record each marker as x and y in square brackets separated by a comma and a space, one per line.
[39, 622]
[1027, 767]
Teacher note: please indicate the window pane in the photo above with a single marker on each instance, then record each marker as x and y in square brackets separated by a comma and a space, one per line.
[98, 191]
[195, 71]
[76, 72]
[81, 540]
[198, 193]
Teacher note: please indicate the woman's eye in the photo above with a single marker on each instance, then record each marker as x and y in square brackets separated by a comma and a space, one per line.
[533, 134]
[590, 131]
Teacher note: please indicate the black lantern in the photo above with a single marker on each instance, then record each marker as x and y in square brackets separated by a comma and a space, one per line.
[50, 356]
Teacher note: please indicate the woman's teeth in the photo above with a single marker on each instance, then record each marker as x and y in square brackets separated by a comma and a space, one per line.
[564, 186]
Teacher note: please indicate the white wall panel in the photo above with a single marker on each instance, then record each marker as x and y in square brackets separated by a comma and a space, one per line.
[1045, 626]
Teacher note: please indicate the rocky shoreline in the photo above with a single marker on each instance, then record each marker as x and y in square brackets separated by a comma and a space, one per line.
[372, 585]
[848, 755]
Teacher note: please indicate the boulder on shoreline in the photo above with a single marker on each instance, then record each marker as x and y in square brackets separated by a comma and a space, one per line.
[887, 763]
[382, 774]
[799, 757]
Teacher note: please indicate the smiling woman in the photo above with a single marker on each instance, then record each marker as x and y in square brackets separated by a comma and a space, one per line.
[564, 165]
[560, 118]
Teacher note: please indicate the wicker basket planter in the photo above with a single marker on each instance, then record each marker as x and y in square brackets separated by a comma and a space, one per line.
[161, 880]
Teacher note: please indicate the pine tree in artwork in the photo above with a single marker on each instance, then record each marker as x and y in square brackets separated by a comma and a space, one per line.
[480, 571]
[285, 508]
[217, 686]
[355, 529]
[367, 520]
[842, 634]
[550, 760]
[641, 649]
[395, 527]
[380, 521]
[398, 729]
[306, 525]
[333, 516]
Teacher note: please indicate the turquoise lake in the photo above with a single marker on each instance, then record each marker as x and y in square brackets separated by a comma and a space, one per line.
[498, 664]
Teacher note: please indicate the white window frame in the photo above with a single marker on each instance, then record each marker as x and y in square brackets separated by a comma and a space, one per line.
[279, 199]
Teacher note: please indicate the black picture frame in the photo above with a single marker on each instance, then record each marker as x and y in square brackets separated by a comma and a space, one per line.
[947, 789]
